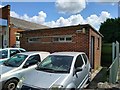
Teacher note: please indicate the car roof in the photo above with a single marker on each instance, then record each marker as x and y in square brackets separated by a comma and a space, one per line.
[11, 48]
[34, 52]
[67, 53]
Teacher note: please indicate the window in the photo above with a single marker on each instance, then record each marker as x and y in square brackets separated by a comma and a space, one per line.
[57, 63]
[34, 39]
[98, 43]
[79, 62]
[32, 60]
[17, 38]
[85, 58]
[13, 52]
[3, 54]
[63, 39]
[56, 39]
[68, 39]
[16, 60]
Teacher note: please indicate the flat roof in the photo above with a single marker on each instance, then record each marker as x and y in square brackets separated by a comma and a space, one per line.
[33, 52]
[81, 26]
[67, 53]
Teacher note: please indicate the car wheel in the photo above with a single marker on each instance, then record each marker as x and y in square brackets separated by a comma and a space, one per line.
[10, 85]
[72, 89]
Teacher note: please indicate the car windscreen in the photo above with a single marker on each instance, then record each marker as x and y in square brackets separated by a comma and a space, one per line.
[56, 64]
[3, 54]
[16, 60]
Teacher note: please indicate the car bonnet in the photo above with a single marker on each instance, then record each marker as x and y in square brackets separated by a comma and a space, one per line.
[41, 79]
[5, 69]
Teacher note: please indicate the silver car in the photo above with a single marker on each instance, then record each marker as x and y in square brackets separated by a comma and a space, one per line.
[14, 68]
[6, 53]
[59, 70]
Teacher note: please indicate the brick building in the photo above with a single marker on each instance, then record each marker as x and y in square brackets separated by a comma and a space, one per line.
[18, 25]
[4, 26]
[8, 33]
[70, 38]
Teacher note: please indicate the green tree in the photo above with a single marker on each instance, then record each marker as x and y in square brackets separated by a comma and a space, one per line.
[110, 29]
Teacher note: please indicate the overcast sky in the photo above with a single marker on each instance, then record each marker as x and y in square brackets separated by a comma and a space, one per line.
[64, 12]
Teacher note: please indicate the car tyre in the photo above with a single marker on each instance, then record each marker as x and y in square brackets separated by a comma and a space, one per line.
[10, 85]
[72, 89]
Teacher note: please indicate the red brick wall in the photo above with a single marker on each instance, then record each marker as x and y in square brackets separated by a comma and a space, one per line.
[97, 50]
[12, 36]
[80, 42]
[13, 32]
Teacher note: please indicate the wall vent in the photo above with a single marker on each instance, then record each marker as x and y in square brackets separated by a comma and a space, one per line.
[81, 30]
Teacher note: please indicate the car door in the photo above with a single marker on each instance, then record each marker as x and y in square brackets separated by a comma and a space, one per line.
[86, 69]
[32, 62]
[29, 65]
[79, 75]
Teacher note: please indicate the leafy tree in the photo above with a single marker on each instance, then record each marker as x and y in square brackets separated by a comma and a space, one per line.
[110, 29]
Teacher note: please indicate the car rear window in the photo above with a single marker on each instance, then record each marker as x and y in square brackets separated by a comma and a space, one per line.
[3, 54]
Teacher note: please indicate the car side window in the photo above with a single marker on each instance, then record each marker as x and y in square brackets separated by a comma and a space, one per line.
[85, 58]
[32, 60]
[79, 62]
[13, 52]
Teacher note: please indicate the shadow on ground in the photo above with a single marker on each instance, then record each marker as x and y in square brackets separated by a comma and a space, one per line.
[100, 77]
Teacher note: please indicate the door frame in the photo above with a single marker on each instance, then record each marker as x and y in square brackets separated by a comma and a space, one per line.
[92, 51]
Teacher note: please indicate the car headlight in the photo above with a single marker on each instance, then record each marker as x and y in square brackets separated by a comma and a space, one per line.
[56, 87]
[20, 83]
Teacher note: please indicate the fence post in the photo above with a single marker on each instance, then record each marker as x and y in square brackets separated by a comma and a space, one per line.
[113, 51]
[117, 51]
[113, 69]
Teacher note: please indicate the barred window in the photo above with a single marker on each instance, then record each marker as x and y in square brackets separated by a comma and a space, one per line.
[63, 39]
[34, 40]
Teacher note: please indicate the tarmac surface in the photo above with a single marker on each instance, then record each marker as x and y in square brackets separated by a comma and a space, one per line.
[99, 77]
[102, 77]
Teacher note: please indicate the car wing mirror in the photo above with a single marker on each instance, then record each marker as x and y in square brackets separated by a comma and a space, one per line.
[26, 65]
[78, 69]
